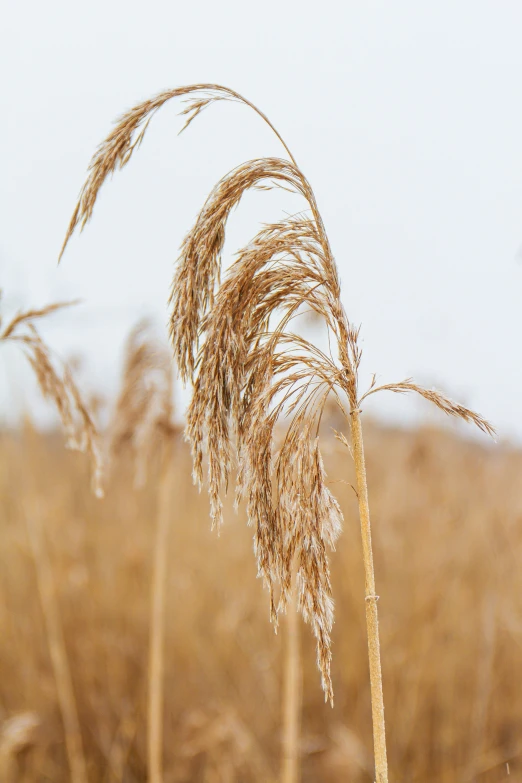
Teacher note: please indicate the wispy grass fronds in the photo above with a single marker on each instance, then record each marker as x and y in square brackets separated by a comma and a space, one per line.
[143, 419]
[57, 384]
[144, 408]
[117, 149]
[442, 402]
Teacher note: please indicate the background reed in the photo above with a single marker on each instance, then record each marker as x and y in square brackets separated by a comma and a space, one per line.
[56, 385]
[143, 419]
[292, 696]
[447, 548]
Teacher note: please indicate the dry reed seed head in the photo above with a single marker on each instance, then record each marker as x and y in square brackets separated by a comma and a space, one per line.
[199, 266]
[240, 372]
[310, 521]
[248, 375]
[144, 409]
[231, 337]
[26, 317]
[260, 509]
[117, 149]
[87, 433]
[442, 402]
[57, 385]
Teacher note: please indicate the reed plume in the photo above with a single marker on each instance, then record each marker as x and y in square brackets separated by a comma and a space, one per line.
[233, 341]
[143, 414]
[57, 384]
[143, 417]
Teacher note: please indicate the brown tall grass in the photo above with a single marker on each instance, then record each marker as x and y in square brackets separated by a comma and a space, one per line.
[56, 382]
[56, 385]
[143, 417]
[249, 371]
[448, 544]
[292, 696]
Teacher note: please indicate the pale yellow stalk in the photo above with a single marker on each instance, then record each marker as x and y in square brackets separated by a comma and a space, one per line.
[57, 649]
[372, 619]
[290, 772]
[157, 629]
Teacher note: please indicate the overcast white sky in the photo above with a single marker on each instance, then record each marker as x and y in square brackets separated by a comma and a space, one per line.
[405, 116]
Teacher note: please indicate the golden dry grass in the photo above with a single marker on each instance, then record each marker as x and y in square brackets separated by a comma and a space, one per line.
[55, 382]
[447, 541]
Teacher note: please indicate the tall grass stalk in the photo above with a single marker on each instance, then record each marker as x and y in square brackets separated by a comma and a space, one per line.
[157, 620]
[57, 649]
[292, 684]
[234, 341]
[143, 418]
[56, 385]
[372, 619]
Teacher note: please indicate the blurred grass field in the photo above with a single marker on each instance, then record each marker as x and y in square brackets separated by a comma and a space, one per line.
[447, 522]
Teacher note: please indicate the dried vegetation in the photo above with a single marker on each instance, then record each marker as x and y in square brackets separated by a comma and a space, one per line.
[448, 543]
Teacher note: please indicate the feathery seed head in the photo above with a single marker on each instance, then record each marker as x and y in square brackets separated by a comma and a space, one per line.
[143, 412]
[250, 373]
[57, 385]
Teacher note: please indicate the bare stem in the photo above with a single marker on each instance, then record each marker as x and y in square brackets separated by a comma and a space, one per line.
[292, 695]
[57, 650]
[157, 631]
[372, 620]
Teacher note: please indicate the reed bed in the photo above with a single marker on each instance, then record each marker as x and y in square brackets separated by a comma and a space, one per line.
[447, 548]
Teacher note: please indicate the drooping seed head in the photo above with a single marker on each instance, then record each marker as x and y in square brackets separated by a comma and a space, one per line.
[57, 385]
[259, 388]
